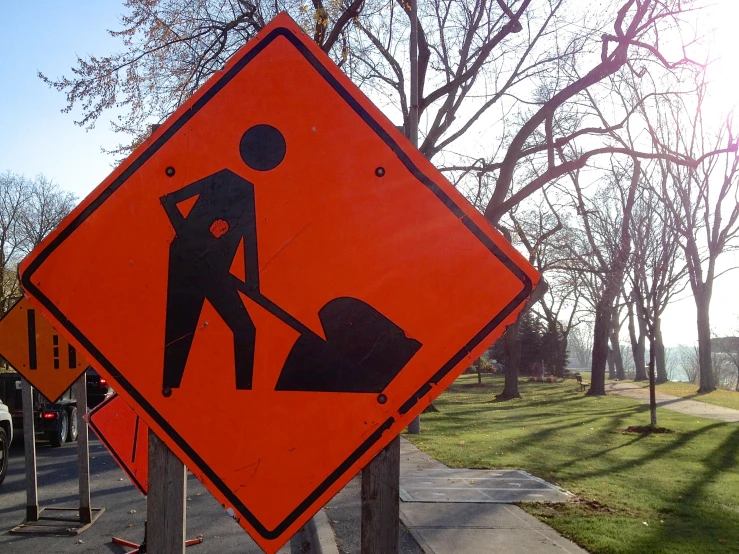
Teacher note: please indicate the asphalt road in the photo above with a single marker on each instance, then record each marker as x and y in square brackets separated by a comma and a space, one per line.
[125, 507]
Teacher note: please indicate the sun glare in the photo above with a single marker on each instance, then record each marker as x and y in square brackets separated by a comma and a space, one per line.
[724, 72]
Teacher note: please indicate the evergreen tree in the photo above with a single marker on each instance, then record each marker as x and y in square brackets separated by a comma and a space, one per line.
[531, 336]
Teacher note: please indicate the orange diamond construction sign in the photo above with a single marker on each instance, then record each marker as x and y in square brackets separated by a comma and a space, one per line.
[38, 351]
[277, 282]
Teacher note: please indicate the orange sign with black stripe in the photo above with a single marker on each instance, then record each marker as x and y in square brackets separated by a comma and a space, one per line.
[38, 352]
[125, 436]
[277, 282]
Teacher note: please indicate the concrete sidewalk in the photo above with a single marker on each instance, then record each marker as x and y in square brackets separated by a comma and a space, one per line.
[432, 527]
[675, 403]
[448, 527]
[473, 528]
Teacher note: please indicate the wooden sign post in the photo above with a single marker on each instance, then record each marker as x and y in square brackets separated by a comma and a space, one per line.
[380, 501]
[83, 449]
[56, 521]
[129, 441]
[32, 509]
[165, 503]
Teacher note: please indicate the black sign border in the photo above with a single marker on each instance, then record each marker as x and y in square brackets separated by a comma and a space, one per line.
[271, 534]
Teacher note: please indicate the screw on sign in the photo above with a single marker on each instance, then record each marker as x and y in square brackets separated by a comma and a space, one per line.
[38, 352]
[278, 252]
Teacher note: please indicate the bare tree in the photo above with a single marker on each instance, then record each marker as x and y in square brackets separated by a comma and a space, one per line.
[637, 335]
[690, 362]
[657, 271]
[703, 201]
[638, 28]
[479, 62]
[615, 360]
[46, 206]
[672, 363]
[606, 226]
[471, 55]
[29, 209]
[559, 307]
[14, 195]
[628, 361]
[580, 343]
[729, 347]
[541, 233]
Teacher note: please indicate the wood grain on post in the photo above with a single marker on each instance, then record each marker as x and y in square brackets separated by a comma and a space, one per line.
[29, 440]
[380, 508]
[83, 448]
[165, 503]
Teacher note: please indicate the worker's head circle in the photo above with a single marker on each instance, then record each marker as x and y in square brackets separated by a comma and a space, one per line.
[262, 147]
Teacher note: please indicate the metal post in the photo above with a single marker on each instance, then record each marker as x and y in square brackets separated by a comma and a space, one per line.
[165, 503]
[83, 448]
[29, 440]
[413, 115]
[380, 509]
[415, 426]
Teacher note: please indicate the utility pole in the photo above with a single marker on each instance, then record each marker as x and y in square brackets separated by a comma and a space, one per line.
[415, 426]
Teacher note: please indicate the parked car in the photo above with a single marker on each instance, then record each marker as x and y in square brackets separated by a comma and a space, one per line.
[6, 437]
[97, 388]
[57, 421]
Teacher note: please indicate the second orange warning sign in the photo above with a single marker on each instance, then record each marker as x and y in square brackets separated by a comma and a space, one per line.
[38, 352]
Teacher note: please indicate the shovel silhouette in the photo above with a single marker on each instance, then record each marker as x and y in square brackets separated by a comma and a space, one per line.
[363, 351]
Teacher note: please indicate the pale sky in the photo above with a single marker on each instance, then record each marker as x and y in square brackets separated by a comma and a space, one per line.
[35, 137]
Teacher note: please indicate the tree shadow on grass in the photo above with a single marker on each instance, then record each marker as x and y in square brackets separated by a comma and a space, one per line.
[459, 421]
[718, 523]
[681, 440]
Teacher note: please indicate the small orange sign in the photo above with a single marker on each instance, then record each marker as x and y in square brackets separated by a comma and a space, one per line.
[277, 282]
[38, 352]
[125, 436]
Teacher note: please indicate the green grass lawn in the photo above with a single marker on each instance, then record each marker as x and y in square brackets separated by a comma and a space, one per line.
[719, 397]
[671, 493]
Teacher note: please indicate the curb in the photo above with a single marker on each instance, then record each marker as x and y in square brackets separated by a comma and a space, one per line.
[321, 535]
[316, 537]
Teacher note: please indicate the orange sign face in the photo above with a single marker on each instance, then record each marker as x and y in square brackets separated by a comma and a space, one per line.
[278, 282]
[125, 436]
[38, 352]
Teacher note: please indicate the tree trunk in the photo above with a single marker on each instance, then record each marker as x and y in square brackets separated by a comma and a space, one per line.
[652, 384]
[559, 370]
[479, 376]
[613, 281]
[600, 346]
[611, 364]
[637, 346]
[512, 346]
[702, 304]
[618, 361]
[659, 352]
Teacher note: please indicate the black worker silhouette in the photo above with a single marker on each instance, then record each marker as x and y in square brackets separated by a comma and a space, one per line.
[200, 260]
[363, 350]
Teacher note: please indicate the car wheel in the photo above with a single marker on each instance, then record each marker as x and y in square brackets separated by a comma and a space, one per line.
[3, 454]
[59, 437]
[73, 430]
